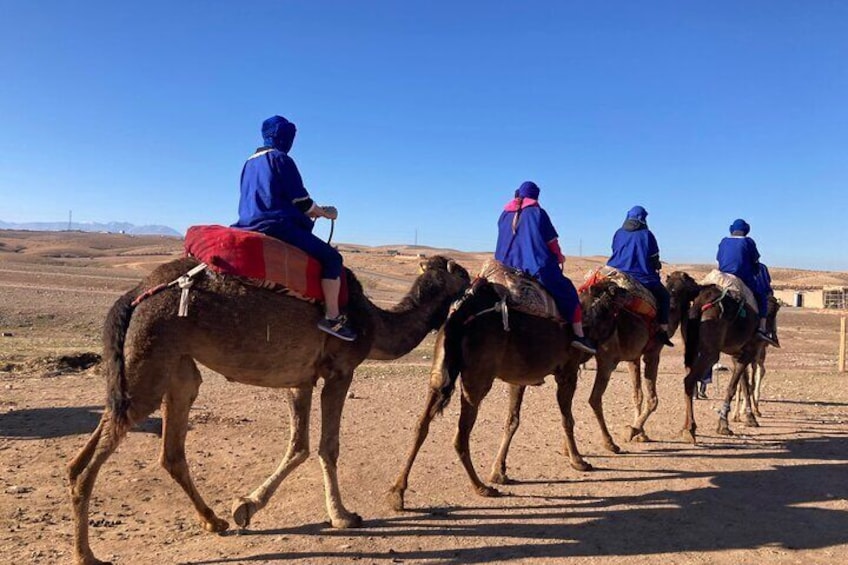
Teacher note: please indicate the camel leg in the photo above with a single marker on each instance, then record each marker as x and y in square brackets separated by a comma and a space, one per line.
[759, 374]
[332, 402]
[596, 401]
[737, 403]
[396, 493]
[635, 371]
[470, 402]
[637, 430]
[300, 403]
[748, 401]
[82, 472]
[513, 419]
[739, 368]
[566, 385]
[146, 395]
[175, 411]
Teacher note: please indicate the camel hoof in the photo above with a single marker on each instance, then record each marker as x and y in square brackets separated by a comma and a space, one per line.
[723, 429]
[688, 436]
[751, 421]
[736, 418]
[488, 492]
[612, 447]
[215, 525]
[353, 520]
[243, 511]
[500, 478]
[395, 499]
[641, 438]
[582, 465]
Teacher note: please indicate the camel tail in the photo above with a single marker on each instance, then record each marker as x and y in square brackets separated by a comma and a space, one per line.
[114, 336]
[450, 359]
[693, 336]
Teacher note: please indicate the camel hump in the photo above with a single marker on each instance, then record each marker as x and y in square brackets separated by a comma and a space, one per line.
[640, 300]
[734, 286]
[522, 291]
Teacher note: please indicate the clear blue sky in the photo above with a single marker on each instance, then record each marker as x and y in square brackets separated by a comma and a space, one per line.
[427, 115]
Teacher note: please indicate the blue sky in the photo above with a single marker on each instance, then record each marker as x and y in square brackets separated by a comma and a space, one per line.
[425, 116]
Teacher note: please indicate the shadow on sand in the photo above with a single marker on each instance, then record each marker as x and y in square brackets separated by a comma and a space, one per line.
[773, 507]
[45, 423]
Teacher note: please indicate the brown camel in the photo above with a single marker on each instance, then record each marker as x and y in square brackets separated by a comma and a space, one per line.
[757, 369]
[474, 344]
[631, 342]
[251, 336]
[718, 323]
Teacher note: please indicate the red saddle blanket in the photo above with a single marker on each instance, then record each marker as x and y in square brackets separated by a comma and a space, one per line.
[256, 256]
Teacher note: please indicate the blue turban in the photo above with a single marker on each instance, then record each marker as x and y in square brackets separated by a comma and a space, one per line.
[278, 132]
[637, 213]
[528, 189]
[741, 226]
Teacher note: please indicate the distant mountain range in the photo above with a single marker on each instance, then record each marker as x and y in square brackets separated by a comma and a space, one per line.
[111, 227]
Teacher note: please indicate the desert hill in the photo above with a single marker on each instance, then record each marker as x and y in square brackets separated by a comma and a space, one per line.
[143, 252]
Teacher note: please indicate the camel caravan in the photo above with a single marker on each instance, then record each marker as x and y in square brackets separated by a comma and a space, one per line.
[267, 303]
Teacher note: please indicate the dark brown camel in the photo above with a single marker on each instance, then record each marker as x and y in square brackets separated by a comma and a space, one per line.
[251, 336]
[717, 323]
[474, 344]
[757, 370]
[631, 342]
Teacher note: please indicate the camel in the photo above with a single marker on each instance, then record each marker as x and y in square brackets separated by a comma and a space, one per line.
[252, 336]
[474, 344]
[717, 323]
[757, 369]
[631, 342]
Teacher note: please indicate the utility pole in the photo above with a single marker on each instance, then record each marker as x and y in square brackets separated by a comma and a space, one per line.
[70, 215]
[580, 248]
[416, 236]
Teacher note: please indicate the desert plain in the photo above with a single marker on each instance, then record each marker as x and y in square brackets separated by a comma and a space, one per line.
[777, 493]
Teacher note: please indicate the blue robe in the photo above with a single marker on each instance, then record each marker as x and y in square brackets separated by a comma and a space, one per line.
[528, 251]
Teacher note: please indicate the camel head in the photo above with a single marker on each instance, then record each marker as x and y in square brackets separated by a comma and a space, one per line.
[601, 303]
[441, 279]
[682, 287]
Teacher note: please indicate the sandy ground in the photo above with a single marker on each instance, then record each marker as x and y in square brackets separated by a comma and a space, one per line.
[773, 494]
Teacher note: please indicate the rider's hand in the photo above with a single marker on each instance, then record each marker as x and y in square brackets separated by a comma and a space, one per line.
[330, 212]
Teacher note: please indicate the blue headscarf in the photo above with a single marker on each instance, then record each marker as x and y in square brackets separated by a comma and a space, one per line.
[278, 132]
[528, 189]
[741, 226]
[637, 213]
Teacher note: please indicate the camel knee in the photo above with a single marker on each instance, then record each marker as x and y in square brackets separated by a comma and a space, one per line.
[330, 454]
[301, 455]
[653, 403]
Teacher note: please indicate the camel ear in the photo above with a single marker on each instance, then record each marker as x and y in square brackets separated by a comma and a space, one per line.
[452, 266]
[422, 267]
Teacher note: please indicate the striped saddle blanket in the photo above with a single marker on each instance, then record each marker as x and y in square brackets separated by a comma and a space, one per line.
[639, 300]
[260, 259]
[522, 292]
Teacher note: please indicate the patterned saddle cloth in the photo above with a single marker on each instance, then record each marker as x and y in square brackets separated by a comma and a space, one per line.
[639, 299]
[734, 286]
[521, 291]
[260, 260]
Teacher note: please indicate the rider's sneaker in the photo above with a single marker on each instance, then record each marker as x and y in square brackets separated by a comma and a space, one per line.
[662, 337]
[583, 344]
[768, 338]
[337, 327]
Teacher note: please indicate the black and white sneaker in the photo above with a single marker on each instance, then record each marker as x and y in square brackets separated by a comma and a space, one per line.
[583, 344]
[337, 327]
